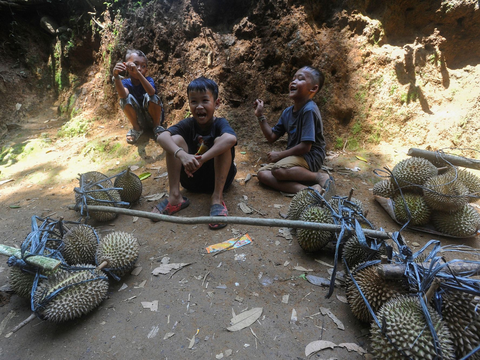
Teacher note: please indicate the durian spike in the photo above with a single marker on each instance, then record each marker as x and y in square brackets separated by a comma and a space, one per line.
[431, 290]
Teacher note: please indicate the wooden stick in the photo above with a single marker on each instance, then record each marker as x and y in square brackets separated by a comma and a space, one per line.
[431, 290]
[454, 160]
[43, 262]
[233, 220]
[22, 324]
[396, 271]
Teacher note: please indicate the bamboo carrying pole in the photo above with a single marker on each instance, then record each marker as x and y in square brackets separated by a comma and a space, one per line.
[43, 262]
[232, 220]
[397, 271]
[454, 160]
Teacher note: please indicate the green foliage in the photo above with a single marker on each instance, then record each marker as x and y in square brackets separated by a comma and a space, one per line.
[17, 152]
[9, 154]
[338, 143]
[76, 126]
[357, 127]
[352, 143]
[187, 114]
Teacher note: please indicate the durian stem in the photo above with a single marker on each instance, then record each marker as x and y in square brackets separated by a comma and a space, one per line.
[431, 290]
[43, 262]
[233, 220]
[102, 265]
[454, 160]
[350, 194]
[23, 323]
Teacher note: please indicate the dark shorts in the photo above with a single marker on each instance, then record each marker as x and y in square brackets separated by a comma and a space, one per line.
[203, 180]
[144, 119]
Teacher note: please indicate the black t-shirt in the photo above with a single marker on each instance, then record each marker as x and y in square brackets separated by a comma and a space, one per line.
[194, 136]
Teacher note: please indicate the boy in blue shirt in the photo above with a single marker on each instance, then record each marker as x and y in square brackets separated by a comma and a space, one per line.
[138, 95]
[199, 151]
[297, 167]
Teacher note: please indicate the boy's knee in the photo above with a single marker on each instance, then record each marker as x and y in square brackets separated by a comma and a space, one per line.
[279, 173]
[262, 176]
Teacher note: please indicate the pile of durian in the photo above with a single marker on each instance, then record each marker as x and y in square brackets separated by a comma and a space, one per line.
[81, 283]
[401, 329]
[308, 205]
[433, 197]
[96, 188]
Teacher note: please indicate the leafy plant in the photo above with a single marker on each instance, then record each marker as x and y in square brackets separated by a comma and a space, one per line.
[76, 126]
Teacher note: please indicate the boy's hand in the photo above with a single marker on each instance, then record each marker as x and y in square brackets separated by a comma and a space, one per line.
[258, 106]
[132, 69]
[273, 156]
[191, 163]
[119, 68]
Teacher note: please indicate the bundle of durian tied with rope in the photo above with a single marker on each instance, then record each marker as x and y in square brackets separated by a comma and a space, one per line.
[96, 188]
[432, 199]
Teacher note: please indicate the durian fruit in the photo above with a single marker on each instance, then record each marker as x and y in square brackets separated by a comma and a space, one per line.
[472, 182]
[112, 196]
[419, 210]
[131, 186]
[385, 188]
[80, 245]
[403, 321]
[353, 204]
[21, 282]
[376, 289]
[119, 250]
[94, 176]
[461, 312]
[462, 223]
[79, 292]
[445, 193]
[314, 240]
[92, 193]
[413, 171]
[354, 253]
[301, 201]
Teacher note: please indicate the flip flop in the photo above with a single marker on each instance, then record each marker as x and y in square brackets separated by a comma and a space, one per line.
[330, 188]
[218, 210]
[165, 208]
[134, 134]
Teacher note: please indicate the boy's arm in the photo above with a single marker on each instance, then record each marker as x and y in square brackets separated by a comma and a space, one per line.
[221, 144]
[297, 150]
[121, 90]
[266, 129]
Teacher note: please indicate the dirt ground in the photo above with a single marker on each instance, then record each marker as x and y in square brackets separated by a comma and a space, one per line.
[398, 75]
[199, 300]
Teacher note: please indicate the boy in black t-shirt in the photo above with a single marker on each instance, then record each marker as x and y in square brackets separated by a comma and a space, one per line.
[298, 166]
[200, 152]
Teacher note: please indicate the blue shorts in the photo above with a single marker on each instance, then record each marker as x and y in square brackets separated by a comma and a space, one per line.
[143, 117]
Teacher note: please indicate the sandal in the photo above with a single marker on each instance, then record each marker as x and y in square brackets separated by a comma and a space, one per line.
[158, 130]
[218, 210]
[133, 135]
[165, 208]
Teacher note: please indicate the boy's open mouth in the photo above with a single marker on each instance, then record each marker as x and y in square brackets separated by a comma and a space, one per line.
[201, 115]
